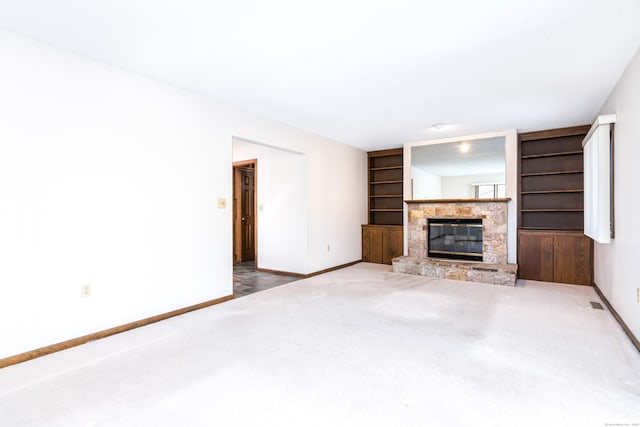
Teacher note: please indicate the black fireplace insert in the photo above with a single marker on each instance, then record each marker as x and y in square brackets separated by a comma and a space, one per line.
[455, 238]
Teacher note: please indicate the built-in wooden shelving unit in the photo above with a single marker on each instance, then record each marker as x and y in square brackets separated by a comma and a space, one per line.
[382, 236]
[551, 244]
[385, 187]
[551, 179]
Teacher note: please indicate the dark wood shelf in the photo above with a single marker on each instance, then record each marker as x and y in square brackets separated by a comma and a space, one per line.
[551, 191]
[386, 182]
[562, 153]
[386, 210]
[541, 135]
[386, 168]
[385, 196]
[552, 173]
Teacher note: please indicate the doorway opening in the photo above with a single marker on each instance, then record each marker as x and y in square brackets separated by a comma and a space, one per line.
[247, 278]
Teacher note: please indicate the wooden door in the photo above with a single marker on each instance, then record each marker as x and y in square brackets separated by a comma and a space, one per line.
[572, 259]
[392, 244]
[244, 198]
[247, 215]
[535, 256]
[371, 244]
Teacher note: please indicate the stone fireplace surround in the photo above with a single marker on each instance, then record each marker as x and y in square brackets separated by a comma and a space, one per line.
[494, 268]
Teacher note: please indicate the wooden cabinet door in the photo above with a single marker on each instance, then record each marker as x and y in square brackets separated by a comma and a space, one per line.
[555, 257]
[572, 259]
[392, 244]
[372, 244]
[535, 256]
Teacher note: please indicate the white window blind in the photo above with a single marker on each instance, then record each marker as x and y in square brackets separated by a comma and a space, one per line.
[597, 180]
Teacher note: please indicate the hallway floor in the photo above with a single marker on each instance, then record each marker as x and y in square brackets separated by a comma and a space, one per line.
[246, 280]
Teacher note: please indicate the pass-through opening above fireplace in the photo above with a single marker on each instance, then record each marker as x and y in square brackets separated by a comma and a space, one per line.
[455, 238]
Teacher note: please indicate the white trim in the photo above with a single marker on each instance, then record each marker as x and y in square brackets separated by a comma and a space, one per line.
[604, 119]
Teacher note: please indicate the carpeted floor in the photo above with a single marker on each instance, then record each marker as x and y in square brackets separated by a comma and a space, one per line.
[359, 346]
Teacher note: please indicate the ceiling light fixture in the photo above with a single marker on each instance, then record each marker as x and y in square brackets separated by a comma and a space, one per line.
[464, 147]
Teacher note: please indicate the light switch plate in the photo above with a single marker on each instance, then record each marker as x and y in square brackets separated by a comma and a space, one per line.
[222, 203]
[85, 290]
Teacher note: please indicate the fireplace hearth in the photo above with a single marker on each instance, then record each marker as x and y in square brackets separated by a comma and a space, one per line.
[455, 238]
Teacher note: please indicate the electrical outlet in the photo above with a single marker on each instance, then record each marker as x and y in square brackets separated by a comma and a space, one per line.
[85, 290]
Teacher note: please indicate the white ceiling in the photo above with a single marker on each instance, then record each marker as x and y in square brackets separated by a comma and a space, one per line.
[373, 74]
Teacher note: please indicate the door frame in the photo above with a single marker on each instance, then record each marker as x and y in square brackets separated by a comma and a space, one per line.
[236, 220]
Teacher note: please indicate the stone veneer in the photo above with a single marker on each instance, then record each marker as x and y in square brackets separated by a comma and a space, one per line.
[494, 224]
[496, 274]
[494, 269]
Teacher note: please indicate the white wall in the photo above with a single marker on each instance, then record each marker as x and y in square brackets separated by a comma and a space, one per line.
[616, 263]
[337, 206]
[112, 179]
[425, 185]
[461, 187]
[282, 219]
[336, 192]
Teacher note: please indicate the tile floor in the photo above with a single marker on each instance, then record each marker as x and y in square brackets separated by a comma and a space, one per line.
[246, 280]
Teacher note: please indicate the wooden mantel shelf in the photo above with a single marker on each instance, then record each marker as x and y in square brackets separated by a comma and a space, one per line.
[502, 200]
